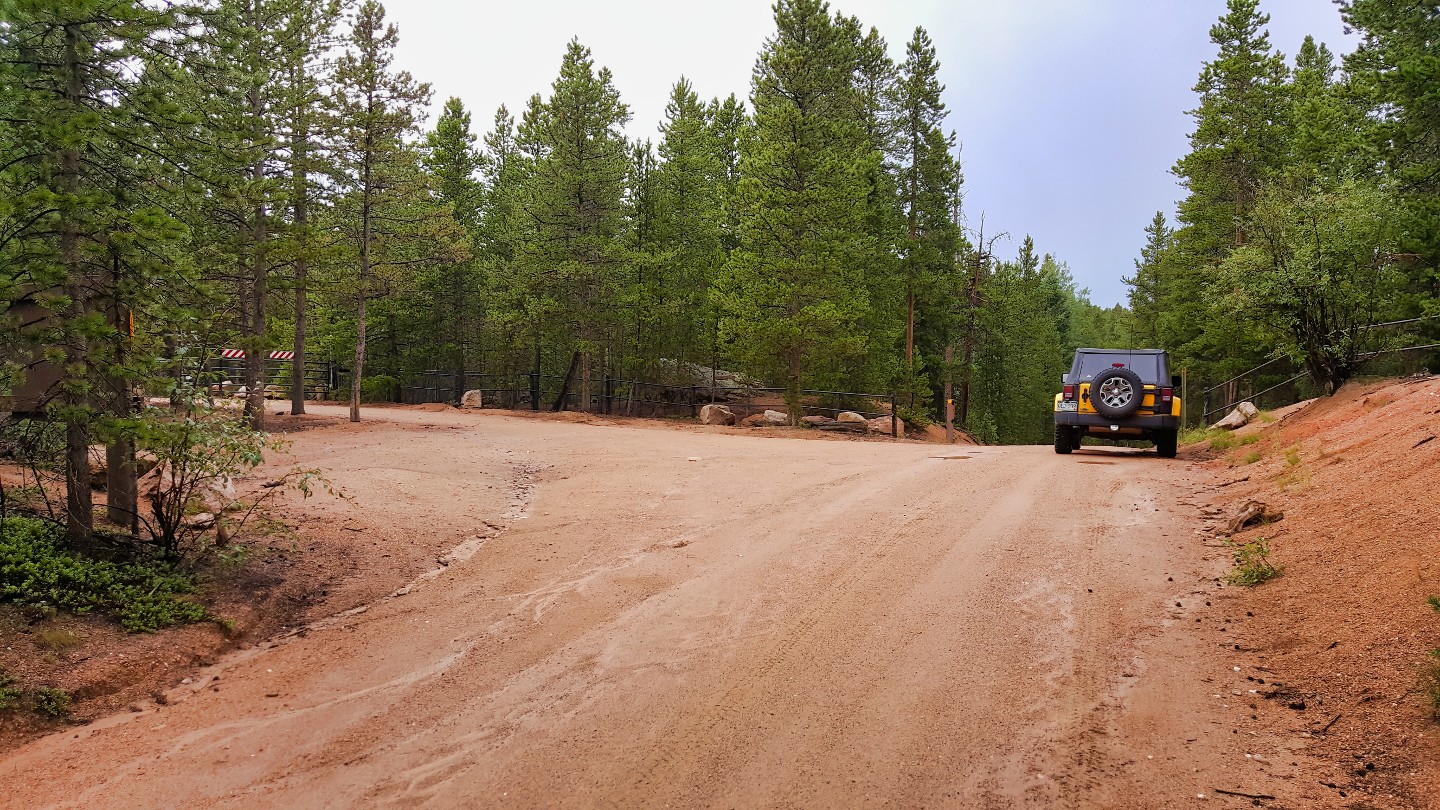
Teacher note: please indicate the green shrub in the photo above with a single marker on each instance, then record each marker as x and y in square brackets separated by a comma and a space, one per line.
[51, 702]
[1252, 563]
[9, 698]
[34, 570]
[380, 388]
[1430, 673]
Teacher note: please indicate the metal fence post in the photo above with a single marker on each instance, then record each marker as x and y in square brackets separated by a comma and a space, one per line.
[535, 391]
[894, 419]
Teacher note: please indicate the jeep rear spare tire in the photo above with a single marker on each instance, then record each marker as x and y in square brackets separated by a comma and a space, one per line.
[1116, 393]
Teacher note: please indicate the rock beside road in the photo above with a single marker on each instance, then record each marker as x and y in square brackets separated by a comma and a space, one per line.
[716, 415]
[882, 425]
[849, 416]
[775, 418]
[816, 421]
[1238, 418]
[471, 399]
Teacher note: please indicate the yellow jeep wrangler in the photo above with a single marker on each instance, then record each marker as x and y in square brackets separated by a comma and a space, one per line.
[1118, 394]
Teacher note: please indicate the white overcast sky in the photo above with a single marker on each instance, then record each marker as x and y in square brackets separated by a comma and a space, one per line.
[1071, 112]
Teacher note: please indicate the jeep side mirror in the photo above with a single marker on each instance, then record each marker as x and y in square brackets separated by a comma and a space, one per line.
[1174, 380]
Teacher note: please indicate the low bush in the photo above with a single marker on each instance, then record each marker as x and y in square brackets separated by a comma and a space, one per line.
[1430, 673]
[36, 570]
[9, 697]
[1252, 563]
[51, 702]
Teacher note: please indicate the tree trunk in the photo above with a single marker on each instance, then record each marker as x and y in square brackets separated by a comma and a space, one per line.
[255, 348]
[585, 381]
[302, 275]
[79, 504]
[364, 281]
[949, 393]
[121, 498]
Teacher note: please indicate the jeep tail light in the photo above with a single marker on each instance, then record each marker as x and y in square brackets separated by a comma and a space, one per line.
[1069, 393]
[1167, 395]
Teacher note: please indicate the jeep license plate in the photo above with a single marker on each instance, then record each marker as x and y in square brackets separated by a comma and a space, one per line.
[1068, 406]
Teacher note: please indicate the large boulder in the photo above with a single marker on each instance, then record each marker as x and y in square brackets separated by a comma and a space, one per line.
[849, 416]
[1240, 417]
[471, 399]
[716, 415]
[882, 424]
[775, 418]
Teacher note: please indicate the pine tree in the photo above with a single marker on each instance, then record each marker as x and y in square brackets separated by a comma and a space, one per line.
[570, 259]
[307, 123]
[1147, 287]
[1237, 146]
[795, 300]
[929, 189]
[378, 108]
[84, 233]
[453, 162]
[689, 221]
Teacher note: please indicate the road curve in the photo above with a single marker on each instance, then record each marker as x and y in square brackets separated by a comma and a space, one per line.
[675, 618]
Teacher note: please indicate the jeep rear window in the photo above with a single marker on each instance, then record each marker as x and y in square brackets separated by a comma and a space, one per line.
[1146, 365]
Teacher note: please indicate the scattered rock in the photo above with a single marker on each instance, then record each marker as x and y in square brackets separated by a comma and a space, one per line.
[849, 416]
[816, 421]
[881, 424]
[716, 415]
[775, 418]
[471, 399]
[1238, 418]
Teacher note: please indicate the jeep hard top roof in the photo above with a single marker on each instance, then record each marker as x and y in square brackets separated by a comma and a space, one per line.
[1151, 364]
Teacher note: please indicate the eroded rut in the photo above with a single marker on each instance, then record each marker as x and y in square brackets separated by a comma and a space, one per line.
[656, 618]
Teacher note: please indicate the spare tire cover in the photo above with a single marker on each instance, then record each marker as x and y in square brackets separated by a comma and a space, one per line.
[1116, 393]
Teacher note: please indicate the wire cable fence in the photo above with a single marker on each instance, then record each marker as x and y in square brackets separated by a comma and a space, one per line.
[1281, 381]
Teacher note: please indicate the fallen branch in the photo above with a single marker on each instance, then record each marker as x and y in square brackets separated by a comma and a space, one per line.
[1236, 481]
[1240, 793]
[1333, 720]
[1422, 441]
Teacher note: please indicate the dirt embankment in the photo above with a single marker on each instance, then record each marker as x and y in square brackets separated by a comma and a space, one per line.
[1335, 646]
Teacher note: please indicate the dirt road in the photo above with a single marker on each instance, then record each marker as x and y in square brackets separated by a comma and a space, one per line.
[660, 617]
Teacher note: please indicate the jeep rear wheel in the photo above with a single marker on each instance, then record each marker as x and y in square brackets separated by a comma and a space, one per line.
[1116, 393]
[1166, 442]
[1064, 439]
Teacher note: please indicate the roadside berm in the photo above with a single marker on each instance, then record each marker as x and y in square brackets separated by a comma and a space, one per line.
[1336, 651]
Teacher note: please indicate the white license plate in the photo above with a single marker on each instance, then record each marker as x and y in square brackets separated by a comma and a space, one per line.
[1068, 405]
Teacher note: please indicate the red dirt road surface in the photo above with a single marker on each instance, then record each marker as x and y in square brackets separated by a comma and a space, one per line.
[640, 617]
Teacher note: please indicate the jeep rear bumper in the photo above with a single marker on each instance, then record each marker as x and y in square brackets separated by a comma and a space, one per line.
[1095, 420]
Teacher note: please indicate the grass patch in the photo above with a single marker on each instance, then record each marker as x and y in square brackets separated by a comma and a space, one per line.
[1252, 563]
[1292, 455]
[57, 640]
[1195, 435]
[1253, 438]
[35, 570]
[1251, 457]
[1224, 441]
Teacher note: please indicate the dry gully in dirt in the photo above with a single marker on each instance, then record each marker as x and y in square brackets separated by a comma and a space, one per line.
[1118, 394]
